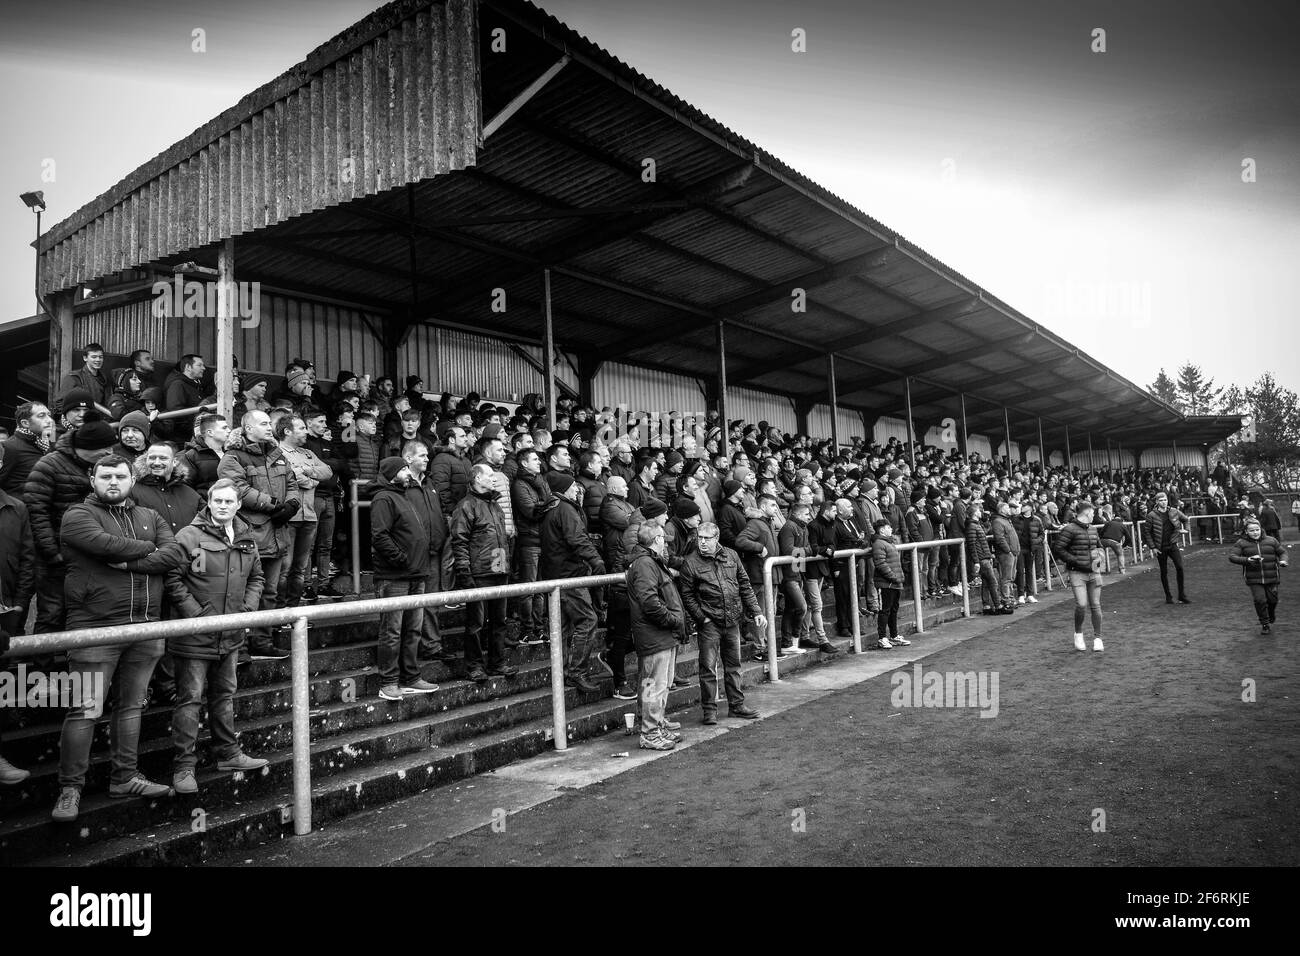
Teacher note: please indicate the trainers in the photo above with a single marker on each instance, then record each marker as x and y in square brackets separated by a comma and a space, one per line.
[68, 806]
[419, 686]
[390, 692]
[1031, 599]
[1263, 629]
[531, 637]
[138, 786]
[11, 775]
[672, 735]
[883, 644]
[242, 762]
[1078, 643]
[955, 589]
[1021, 599]
[896, 640]
[626, 692]
[826, 647]
[657, 742]
[183, 781]
[1184, 599]
[1097, 645]
[502, 670]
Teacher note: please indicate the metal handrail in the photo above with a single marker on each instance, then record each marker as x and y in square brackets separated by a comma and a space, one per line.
[40, 644]
[769, 598]
[355, 519]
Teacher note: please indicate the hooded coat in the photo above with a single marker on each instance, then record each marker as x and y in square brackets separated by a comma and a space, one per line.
[264, 480]
[1264, 571]
[173, 498]
[407, 528]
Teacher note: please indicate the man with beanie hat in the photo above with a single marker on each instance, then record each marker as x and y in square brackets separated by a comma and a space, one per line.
[56, 482]
[252, 396]
[679, 532]
[731, 516]
[567, 552]
[408, 532]
[132, 436]
[75, 407]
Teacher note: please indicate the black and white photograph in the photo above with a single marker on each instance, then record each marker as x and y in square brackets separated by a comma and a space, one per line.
[608, 434]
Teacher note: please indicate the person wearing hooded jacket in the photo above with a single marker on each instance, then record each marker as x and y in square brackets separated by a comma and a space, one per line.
[223, 576]
[408, 532]
[1261, 558]
[480, 550]
[567, 552]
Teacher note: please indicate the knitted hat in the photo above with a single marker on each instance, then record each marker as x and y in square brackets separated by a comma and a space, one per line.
[389, 467]
[730, 487]
[932, 493]
[691, 468]
[295, 378]
[344, 377]
[77, 398]
[94, 435]
[672, 458]
[917, 494]
[683, 508]
[252, 381]
[154, 395]
[560, 481]
[137, 420]
[491, 431]
[653, 508]
[868, 484]
[412, 381]
[894, 474]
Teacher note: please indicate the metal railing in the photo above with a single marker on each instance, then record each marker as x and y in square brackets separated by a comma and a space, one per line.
[43, 644]
[769, 597]
[355, 518]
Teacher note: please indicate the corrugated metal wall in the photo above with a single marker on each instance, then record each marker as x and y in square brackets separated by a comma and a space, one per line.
[979, 444]
[460, 362]
[399, 106]
[755, 407]
[643, 390]
[887, 428]
[1056, 459]
[1164, 458]
[819, 423]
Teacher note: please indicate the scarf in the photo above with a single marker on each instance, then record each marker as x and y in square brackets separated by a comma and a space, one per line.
[40, 440]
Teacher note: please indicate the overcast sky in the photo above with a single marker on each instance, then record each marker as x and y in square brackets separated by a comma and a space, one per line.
[1099, 193]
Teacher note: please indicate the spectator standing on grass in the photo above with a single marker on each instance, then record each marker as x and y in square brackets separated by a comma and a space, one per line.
[658, 632]
[117, 554]
[407, 534]
[716, 594]
[1114, 536]
[1078, 547]
[1160, 534]
[223, 576]
[1261, 557]
[1269, 520]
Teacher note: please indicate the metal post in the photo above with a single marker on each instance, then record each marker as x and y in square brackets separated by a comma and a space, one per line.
[835, 402]
[1175, 445]
[301, 729]
[724, 441]
[559, 722]
[356, 536]
[769, 610]
[856, 627]
[911, 432]
[965, 437]
[1091, 464]
[226, 299]
[1006, 431]
[548, 348]
[1218, 527]
[918, 609]
[1042, 450]
[1069, 455]
[965, 579]
[1110, 462]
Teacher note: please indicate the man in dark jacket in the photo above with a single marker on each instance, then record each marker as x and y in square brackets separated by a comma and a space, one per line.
[567, 552]
[795, 622]
[202, 456]
[408, 532]
[716, 594]
[117, 555]
[731, 513]
[679, 533]
[268, 498]
[848, 535]
[821, 543]
[1160, 534]
[755, 544]
[1006, 551]
[17, 581]
[1029, 564]
[1077, 547]
[658, 630]
[90, 378]
[58, 481]
[481, 558]
[184, 393]
[25, 447]
[1270, 522]
[339, 456]
[223, 576]
[530, 498]
[451, 467]
[979, 554]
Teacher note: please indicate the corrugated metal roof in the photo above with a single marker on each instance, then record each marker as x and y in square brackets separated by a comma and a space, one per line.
[392, 100]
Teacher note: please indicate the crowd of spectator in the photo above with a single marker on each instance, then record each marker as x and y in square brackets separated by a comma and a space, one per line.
[138, 501]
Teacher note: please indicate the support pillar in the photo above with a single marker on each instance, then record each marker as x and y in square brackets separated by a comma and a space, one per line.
[911, 429]
[835, 402]
[965, 436]
[60, 341]
[1091, 465]
[548, 348]
[1006, 435]
[724, 442]
[1175, 446]
[226, 298]
[1042, 451]
[1069, 455]
[1110, 462]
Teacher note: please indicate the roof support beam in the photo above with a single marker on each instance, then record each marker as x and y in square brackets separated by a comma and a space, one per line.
[518, 103]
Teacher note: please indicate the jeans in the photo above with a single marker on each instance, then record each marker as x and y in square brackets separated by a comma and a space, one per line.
[794, 619]
[1087, 599]
[397, 655]
[579, 629]
[1116, 548]
[656, 677]
[1007, 575]
[1162, 558]
[1265, 598]
[193, 676]
[866, 583]
[954, 565]
[618, 633]
[431, 633]
[293, 572]
[1026, 580]
[489, 617]
[270, 599]
[324, 545]
[719, 643]
[133, 664]
[531, 609]
[990, 594]
[812, 592]
[887, 619]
